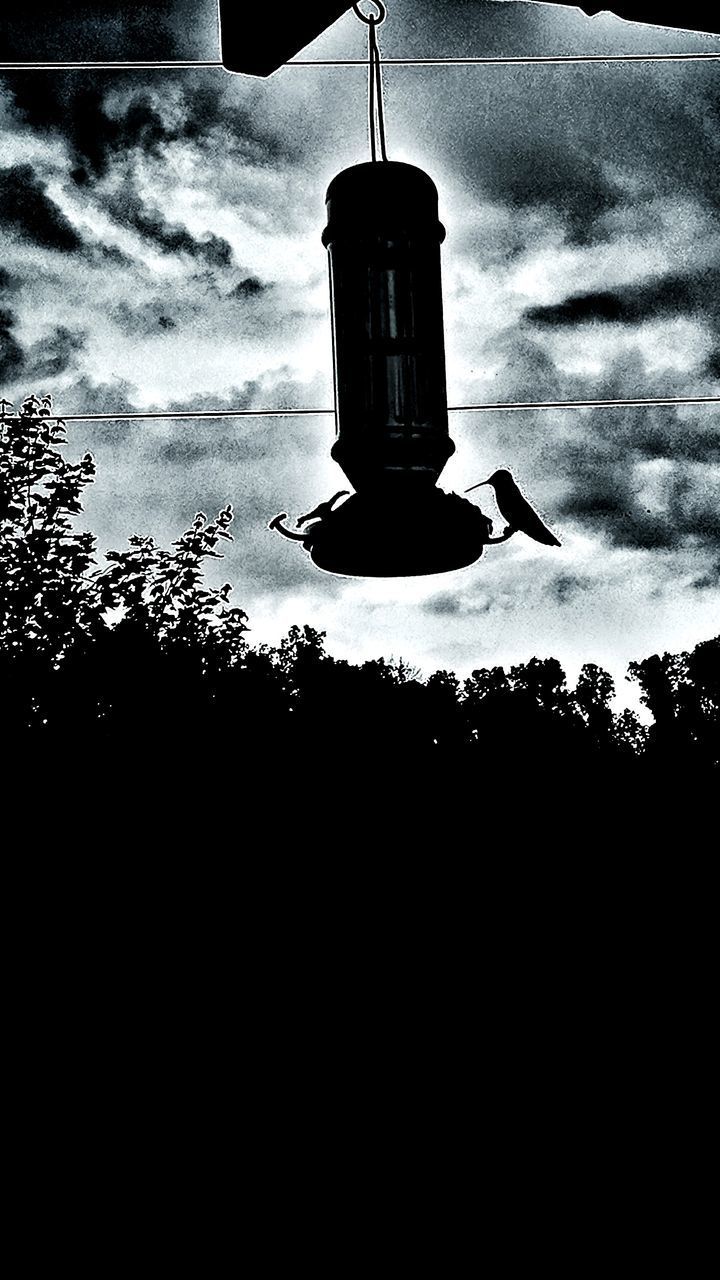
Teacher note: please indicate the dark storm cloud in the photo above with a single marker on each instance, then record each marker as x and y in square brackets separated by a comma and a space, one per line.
[104, 121]
[610, 508]
[606, 488]
[129, 211]
[567, 586]
[93, 30]
[652, 299]
[12, 355]
[75, 108]
[450, 605]
[8, 283]
[229, 441]
[88, 396]
[445, 605]
[585, 144]
[147, 317]
[107, 255]
[709, 579]
[26, 209]
[55, 353]
[231, 444]
[100, 128]
[697, 441]
[238, 441]
[209, 110]
[538, 172]
[528, 370]
[47, 358]
[248, 288]
[582, 307]
[96, 136]
[704, 119]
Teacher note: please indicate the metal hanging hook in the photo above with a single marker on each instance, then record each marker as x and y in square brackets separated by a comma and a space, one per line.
[376, 112]
[368, 19]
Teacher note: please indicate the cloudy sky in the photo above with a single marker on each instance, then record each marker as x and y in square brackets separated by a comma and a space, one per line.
[161, 247]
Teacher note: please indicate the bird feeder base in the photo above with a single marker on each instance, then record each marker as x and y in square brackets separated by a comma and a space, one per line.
[390, 534]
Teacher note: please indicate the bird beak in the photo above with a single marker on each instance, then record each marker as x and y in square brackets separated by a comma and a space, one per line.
[476, 486]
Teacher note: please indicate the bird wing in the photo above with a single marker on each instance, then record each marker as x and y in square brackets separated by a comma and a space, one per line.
[534, 528]
[522, 517]
[323, 509]
[311, 515]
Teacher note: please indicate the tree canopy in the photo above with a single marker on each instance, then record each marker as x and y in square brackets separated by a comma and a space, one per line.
[141, 648]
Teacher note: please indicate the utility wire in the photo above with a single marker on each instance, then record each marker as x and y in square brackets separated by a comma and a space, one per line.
[508, 61]
[583, 404]
[189, 65]
[108, 66]
[499, 407]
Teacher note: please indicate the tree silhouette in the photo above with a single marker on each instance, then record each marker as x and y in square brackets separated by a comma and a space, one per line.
[61, 657]
[46, 596]
[142, 654]
[681, 692]
[450, 729]
[629, 736]
[592, 695]
[543, 680]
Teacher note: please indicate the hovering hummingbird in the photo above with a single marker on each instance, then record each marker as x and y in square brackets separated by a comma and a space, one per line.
[516, 509]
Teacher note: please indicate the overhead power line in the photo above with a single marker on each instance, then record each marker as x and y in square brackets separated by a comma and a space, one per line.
[508, 61]
[144, 65]
[203, 64]
[499, 407]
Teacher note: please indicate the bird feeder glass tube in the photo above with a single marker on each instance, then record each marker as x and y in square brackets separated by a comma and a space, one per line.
[383, 237]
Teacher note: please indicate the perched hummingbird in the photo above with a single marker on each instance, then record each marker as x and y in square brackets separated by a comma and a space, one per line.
[516, 509]
[323, 509]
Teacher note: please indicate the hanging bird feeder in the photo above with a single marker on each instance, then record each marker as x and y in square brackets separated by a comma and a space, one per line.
[383, 237]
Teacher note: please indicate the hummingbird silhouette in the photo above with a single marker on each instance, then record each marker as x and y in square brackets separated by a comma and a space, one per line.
[516, 509]
[323, 509]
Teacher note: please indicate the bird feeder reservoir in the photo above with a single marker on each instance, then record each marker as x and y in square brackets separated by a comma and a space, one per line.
[383, 238]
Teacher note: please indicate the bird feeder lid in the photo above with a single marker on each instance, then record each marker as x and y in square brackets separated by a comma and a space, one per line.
[387, 198]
